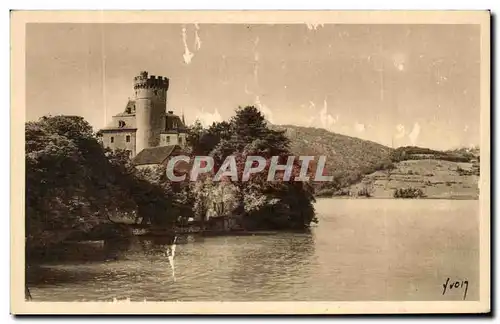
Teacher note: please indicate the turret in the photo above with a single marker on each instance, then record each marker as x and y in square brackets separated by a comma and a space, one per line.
[150, 106]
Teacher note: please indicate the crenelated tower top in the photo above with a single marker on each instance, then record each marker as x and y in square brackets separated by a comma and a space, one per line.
[145, 123]
[143, 81]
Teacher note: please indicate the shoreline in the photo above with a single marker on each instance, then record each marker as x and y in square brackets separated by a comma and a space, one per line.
[387, 198]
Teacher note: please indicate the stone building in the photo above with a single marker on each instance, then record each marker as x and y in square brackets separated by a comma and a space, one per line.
[145, 122]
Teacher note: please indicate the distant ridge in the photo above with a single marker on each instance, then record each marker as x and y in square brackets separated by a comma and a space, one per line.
[347, 158]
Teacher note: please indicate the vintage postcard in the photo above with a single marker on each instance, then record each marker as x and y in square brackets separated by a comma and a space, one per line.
[267, 162]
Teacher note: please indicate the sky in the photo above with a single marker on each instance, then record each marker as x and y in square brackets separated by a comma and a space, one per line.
[393, 84]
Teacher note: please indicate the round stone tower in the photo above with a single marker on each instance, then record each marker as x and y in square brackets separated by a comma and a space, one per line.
[150, 109]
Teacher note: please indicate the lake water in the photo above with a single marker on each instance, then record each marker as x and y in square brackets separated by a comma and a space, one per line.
[362, 249]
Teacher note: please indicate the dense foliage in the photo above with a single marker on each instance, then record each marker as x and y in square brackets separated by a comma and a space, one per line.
[258, 203]
[73, 184]
[418, 153]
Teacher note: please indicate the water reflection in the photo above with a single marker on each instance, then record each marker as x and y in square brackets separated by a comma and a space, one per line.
[115, 248]
[154, 246]
[364, 250]
[274, 267]
[38, 275]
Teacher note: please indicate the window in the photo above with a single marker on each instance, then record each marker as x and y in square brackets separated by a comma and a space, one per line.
[121, 123]
[112, 139]
[180, 140]
[127, 139]
[167, 139]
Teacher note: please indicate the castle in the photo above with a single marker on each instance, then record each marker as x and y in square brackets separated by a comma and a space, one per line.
[145, 125]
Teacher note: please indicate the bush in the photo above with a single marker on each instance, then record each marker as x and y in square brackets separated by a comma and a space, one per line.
[73, 184]
[409, 193]
[463, 172]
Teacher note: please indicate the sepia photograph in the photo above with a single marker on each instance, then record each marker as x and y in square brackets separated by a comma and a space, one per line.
[250, 162]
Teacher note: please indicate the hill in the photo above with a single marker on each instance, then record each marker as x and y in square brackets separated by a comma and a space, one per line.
[361, 166]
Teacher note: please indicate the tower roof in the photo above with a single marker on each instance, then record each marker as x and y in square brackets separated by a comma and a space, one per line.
[154, 155]
[129, 109]
[173, 122]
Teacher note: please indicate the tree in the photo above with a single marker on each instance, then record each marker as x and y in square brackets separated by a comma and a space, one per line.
[279, 204]
[65, 190]
[194, 134]
[203, 141]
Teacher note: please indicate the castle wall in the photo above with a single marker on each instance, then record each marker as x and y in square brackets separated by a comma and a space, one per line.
[120, 141]
[129, 121]
[145, 119]
[182, 139]
[173, 139]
